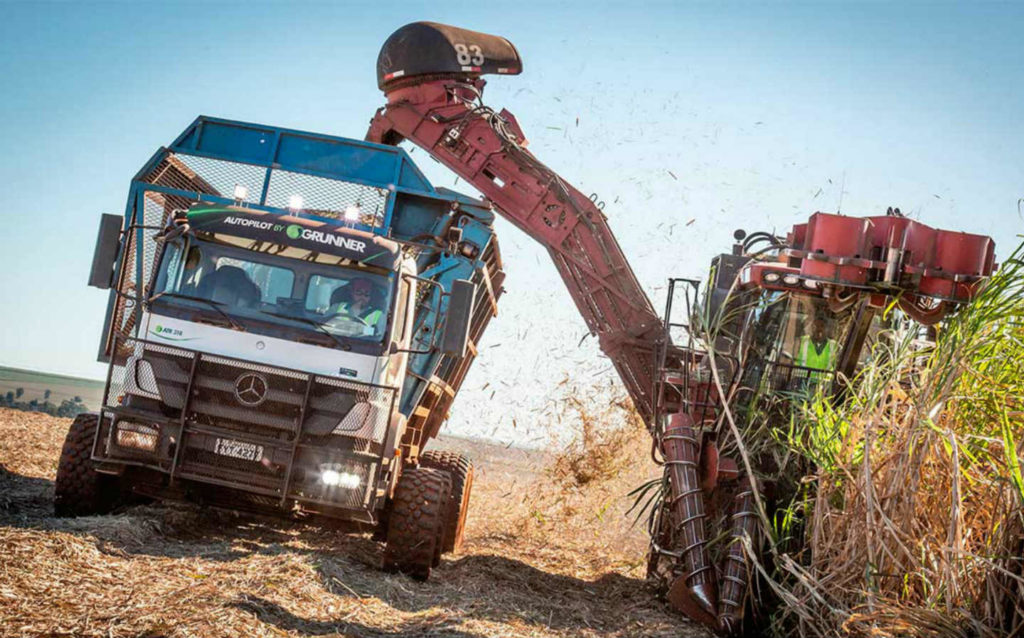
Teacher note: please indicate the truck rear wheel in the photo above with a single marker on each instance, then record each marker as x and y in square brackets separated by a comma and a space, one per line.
[460, 468]
[79, 489]
[416, 522]
[442, 529]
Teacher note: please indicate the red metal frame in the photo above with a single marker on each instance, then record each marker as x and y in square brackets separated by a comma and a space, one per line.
[891, 254]
[488, 150]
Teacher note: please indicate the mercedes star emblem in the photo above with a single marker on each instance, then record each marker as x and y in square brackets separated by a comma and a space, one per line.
[251, 389]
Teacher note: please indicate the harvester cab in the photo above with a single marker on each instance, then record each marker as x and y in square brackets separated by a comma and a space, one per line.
[800, 309]
[290, 317]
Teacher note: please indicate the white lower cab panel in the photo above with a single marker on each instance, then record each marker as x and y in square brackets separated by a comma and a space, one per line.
[262, 349]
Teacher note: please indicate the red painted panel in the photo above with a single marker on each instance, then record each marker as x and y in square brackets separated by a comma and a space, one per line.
[831, 238]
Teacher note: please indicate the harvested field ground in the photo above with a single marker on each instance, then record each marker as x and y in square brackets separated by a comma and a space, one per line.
[542, 564]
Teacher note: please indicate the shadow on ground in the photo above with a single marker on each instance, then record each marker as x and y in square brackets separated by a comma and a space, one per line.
[474, 586]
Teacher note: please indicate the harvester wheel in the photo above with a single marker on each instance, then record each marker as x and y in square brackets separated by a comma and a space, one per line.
[79, 489]
[416, 522]
[460, 468]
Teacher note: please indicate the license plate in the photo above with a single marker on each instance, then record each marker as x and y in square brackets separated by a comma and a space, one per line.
[239, 450]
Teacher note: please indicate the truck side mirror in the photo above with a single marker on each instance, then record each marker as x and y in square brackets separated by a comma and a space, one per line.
[108, 241]
[460, 314]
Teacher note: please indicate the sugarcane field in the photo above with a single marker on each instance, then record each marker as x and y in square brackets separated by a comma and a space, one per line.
[608, 320]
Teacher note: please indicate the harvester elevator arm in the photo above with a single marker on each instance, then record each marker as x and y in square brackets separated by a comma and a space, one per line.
[447, 119]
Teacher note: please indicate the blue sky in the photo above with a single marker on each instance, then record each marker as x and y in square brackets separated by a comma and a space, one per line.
[730, 115]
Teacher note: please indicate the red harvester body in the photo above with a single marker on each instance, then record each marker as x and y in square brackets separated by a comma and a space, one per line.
[431, 75]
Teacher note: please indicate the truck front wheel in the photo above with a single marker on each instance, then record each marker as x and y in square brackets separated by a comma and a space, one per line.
[416, 522]
[460, 468]
[79, 489]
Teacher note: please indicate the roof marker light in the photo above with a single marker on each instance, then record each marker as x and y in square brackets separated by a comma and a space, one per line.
[241, 192]
[295, 203]
[771, 277]
[353, 213]
[791, 280]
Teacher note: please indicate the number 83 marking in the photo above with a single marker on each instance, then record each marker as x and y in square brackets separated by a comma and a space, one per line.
[470, 54]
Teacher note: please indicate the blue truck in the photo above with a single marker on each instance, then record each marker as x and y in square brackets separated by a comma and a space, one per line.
[290, 317]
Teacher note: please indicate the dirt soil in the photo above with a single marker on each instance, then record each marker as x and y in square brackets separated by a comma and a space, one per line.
[537, 562]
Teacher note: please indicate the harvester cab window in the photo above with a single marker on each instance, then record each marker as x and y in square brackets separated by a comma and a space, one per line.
[808, 335]
[804, 341]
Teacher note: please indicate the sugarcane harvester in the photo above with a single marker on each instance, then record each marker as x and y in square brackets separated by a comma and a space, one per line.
[432, 77]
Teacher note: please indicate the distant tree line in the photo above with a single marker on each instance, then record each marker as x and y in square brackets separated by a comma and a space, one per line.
[68, 407]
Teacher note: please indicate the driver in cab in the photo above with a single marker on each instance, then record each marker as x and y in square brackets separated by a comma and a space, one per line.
[357, 302]
[817, 350]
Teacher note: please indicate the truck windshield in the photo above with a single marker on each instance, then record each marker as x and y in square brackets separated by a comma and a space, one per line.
[346, 301]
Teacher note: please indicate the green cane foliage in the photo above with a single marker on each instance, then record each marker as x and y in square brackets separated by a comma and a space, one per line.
[899, 510]
[1012, 456]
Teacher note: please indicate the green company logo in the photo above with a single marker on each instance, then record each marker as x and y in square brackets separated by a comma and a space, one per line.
[171, 334]
[293, 231]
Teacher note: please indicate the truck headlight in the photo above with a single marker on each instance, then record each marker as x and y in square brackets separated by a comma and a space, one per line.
[137, 436]
[334, 478]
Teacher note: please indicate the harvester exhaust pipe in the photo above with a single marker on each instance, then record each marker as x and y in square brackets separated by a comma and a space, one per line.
[693, 592]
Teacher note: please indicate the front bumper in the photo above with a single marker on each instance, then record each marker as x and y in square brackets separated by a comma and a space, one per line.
[180, 413]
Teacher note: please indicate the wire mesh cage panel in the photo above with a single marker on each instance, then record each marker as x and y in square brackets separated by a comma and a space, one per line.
[326, 197]
[365, 411]
[200, 174]
[224, 177]
[245, 183]
[123, 319]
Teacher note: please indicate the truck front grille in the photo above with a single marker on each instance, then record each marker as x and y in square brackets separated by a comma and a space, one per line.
[299, 419]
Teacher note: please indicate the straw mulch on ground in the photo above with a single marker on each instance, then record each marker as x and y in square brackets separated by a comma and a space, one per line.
[541, 559]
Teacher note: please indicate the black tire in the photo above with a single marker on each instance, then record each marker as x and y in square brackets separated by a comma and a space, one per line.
[416, 522]
[460, 468]
[442, 529]
[79, 489]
